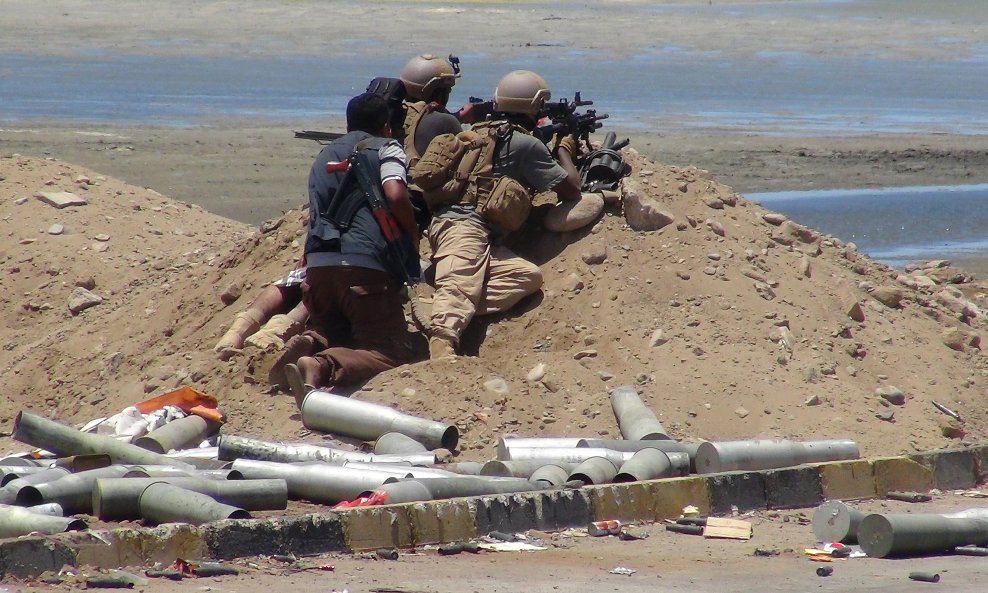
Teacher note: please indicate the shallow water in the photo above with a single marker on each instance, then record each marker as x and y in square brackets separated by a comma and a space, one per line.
[896, 225]
[664, 89]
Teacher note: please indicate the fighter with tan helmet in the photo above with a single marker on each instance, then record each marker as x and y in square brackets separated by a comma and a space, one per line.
[428, 81]
[474, 275]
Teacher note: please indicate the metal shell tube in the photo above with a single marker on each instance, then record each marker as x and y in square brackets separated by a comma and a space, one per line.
[768, 454]
[63, 440]
[505, 443]
[233, 447]
[441, 488]
[180, 433]
[566, 455]
[465, 468]
[623, 445]
[165, 503]
[596, 470]
[8, 494]
[12, 472]
[834, 521]
[519, 469]
[51, 508]
[323, 483]
[906, 534]
[409, 471]
[636, 421]
[646, 464]
[397, 443]
[16, 460]
[17, 521]
[81, 463]
[551, 474]
[327, 412]
[74, 492]
[118, 499]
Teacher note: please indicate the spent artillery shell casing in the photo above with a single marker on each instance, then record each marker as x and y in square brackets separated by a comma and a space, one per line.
[824, 571]
[926, 577]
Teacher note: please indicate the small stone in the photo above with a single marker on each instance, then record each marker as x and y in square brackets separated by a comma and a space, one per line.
[764, 290]
[408, 392]
[892, 395]
[717, 228]
[953, 431]
[81, 299]
[886, 415]
[774, 218]
[20, 201]
[595, 256]
[588, 353]
[888, 296]
[741, 412]
[851, 370]
[102, 237]
[536, 374]
[100, 247]
[813, 400]
[683, 275]
[572, 283]
[656, 339]
[710, 270]
[683, 187]
[643, 213]
[88, 283]
[61, 199]
[231, 293]
[713, 256]
[715, 203]
[56, 229]
[497, 386]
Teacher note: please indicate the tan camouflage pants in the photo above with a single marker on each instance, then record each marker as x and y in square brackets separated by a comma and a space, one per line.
[472, 278]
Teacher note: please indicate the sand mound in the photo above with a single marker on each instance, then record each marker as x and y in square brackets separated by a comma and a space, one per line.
[732, 321]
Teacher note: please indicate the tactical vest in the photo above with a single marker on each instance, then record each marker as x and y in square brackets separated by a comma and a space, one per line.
[336, 199]
[458, 169]
[414, 112]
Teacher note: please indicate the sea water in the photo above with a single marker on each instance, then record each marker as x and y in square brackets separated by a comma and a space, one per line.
[896, 226]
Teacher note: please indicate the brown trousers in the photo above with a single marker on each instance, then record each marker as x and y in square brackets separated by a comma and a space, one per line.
[357, 320]
[472, 278]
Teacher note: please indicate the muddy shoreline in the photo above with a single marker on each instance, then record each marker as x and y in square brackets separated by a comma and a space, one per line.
[253, 174]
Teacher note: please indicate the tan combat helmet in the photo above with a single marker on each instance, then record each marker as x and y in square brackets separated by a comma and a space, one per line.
[521, 91]
[426, 73]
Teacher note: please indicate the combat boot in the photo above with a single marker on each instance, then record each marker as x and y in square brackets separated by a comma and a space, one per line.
[441, 347]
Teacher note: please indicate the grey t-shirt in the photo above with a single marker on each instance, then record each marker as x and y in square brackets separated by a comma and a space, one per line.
[433, 124]
[525, 159]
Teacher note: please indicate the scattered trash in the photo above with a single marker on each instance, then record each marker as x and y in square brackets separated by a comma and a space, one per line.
[975, 494]
[509, 547]
[718, 527]
[971, 551]
[501, 536]
[765, 552]
[909, 496]
[115, 580]
[622, 570]
[824, 571]
[458, 547]
[687, 529]
[602, 528]
[690, 511]
[629, 535]
[926, 577]
[387, 553]
[947, 411]
[167, 573]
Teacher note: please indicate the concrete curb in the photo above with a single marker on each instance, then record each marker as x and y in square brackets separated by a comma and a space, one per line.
[434, 522]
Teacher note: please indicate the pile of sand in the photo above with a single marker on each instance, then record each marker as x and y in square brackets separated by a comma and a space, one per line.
[732, 324]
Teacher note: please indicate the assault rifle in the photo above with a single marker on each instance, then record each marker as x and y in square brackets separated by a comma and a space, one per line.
[320, 137]
[564, 120]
